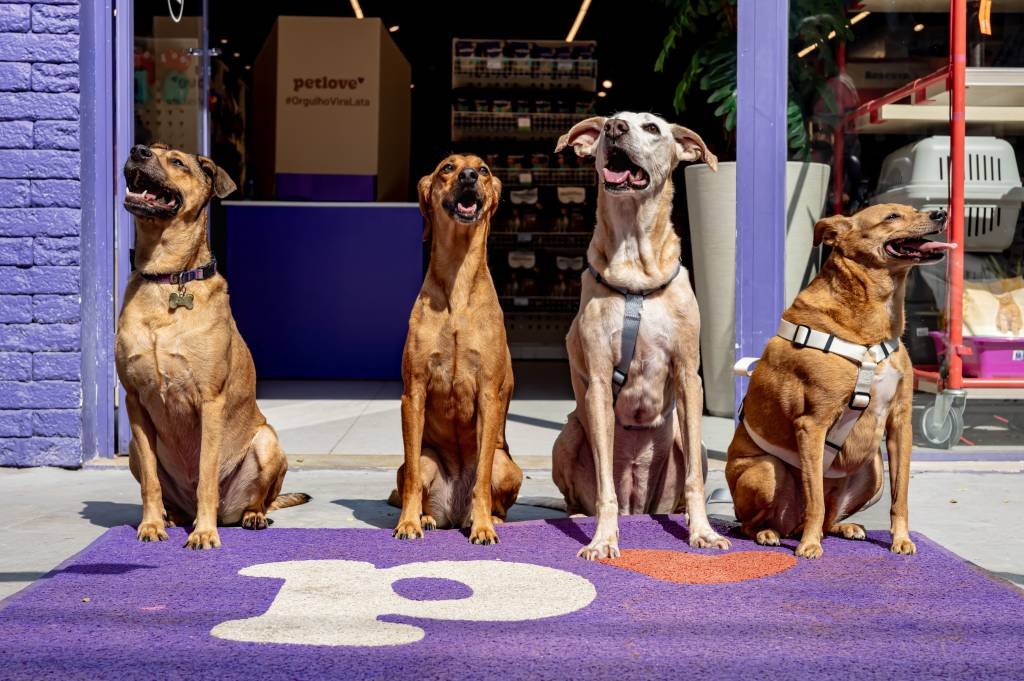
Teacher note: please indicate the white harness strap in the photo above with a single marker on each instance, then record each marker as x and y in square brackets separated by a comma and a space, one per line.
[867, 360]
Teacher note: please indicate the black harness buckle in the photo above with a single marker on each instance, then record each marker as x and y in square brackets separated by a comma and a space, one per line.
[796, 336]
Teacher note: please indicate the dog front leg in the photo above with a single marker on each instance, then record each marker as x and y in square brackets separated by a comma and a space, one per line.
[413, 414]
[144, 465]
[898, 441]
[601, 429]
[810, 441]
[488, 422]
[689, 407]
[204, 535]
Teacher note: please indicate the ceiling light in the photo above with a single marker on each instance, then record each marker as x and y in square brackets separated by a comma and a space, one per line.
[602, 93]
[606, 84]
[860, 17]
[248, 67]
[223, 41]
[393, 29]
[832, 34]
[584, 6]
[357, 9]
[236, 55]
[918, 28]
[412, 86]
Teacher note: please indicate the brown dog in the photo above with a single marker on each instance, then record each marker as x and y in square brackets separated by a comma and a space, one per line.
[200, 446]
[456, 367]
[799, 394]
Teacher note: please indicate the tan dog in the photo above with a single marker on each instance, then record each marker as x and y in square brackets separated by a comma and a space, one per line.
[797, 393]
[200, 446]
[456, 368]
[639, 451]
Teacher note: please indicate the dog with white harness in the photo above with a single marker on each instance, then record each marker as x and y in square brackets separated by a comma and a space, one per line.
[806, 454]
[633, 443]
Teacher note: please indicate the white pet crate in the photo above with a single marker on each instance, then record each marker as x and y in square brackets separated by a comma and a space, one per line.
[918, 175]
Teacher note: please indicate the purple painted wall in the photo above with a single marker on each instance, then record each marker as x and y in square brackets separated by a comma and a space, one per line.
[40, 216]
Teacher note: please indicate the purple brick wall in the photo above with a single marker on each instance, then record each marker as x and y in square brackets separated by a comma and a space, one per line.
[40, 200]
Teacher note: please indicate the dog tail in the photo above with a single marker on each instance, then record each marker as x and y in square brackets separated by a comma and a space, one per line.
[289, 499]
[395, 499]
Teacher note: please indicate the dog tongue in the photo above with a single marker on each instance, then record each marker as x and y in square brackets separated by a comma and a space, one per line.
[936, 246]
[615, 177]
[466, 210]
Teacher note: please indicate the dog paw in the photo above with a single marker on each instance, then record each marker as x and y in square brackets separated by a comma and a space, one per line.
[484, 534]
[428, 523]
[598, 550]
[767, 538]
[849, 531]
[809, 549]
[254, 520]
[203, 539]
[408, 529]
[903, 546]
[708, 539]
[151, 532]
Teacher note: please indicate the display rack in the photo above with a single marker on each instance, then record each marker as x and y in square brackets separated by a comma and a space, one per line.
[954, 96]
[513, 108]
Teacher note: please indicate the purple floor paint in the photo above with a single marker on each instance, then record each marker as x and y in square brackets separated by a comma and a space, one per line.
[124, 610]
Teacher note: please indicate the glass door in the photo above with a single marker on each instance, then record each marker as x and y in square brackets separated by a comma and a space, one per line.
[161, 94]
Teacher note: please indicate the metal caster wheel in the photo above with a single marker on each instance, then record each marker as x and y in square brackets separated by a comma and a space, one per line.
[945, 434]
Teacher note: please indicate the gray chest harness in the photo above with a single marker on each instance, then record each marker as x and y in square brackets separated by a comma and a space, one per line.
[630, 327]
[867, 360]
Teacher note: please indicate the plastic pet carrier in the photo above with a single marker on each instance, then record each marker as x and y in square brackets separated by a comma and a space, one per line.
[918, 175]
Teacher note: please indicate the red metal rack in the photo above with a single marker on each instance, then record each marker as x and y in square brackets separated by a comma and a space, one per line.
[942, 423]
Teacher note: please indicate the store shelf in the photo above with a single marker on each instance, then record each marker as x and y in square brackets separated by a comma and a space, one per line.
[535, 74]
[994, 96]
[546, 177]
[567, 305]
[491, 125]
[562, 240]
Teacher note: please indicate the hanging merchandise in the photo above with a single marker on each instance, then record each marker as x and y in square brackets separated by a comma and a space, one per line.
[572, 195]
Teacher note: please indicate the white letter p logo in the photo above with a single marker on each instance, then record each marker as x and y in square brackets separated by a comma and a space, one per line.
[337, 602]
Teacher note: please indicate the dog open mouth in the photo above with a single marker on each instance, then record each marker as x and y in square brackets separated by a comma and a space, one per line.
[148, 197]
[917, 249]
[620, 174]
[466, 207]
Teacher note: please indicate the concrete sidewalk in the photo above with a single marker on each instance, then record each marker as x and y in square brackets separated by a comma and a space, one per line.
[50, 514]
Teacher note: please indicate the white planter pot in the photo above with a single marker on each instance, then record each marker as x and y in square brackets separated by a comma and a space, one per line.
[711, 198]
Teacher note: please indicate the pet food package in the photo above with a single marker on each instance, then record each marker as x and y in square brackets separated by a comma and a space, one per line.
[331, 112]
[994, 308]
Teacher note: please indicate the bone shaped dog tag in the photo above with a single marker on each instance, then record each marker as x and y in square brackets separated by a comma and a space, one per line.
[185, 300]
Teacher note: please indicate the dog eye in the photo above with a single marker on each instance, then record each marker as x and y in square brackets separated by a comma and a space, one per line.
[484, 171]
[892, 216]
[178, 162]
[652, 128]
[448, 167]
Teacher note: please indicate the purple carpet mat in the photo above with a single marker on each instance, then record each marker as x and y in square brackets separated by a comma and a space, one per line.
[357, 604]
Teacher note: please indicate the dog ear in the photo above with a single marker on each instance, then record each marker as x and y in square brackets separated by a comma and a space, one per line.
[582, 136]
[827, 229]
[495, 194]
[690, 147]
[222, 182]
[423, 192]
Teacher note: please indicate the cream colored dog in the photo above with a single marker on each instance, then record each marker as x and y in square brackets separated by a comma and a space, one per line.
[635, 447]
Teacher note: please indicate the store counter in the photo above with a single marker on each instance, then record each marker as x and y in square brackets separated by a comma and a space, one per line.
[324, 290]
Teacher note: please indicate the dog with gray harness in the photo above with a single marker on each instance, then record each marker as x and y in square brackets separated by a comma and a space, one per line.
[633, 443]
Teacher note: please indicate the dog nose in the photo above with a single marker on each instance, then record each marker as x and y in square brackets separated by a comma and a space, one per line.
[140, 152]
[938, 215]
[468, 176]
[615, 128]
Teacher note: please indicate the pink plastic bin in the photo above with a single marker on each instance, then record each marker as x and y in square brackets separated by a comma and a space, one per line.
[992, 358]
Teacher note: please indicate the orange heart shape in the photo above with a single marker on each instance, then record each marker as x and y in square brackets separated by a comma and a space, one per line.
[679, 567]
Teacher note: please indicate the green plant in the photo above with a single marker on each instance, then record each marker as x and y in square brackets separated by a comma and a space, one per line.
[712, 68]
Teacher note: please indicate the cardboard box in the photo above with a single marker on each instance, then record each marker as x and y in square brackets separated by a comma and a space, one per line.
[331, 112]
